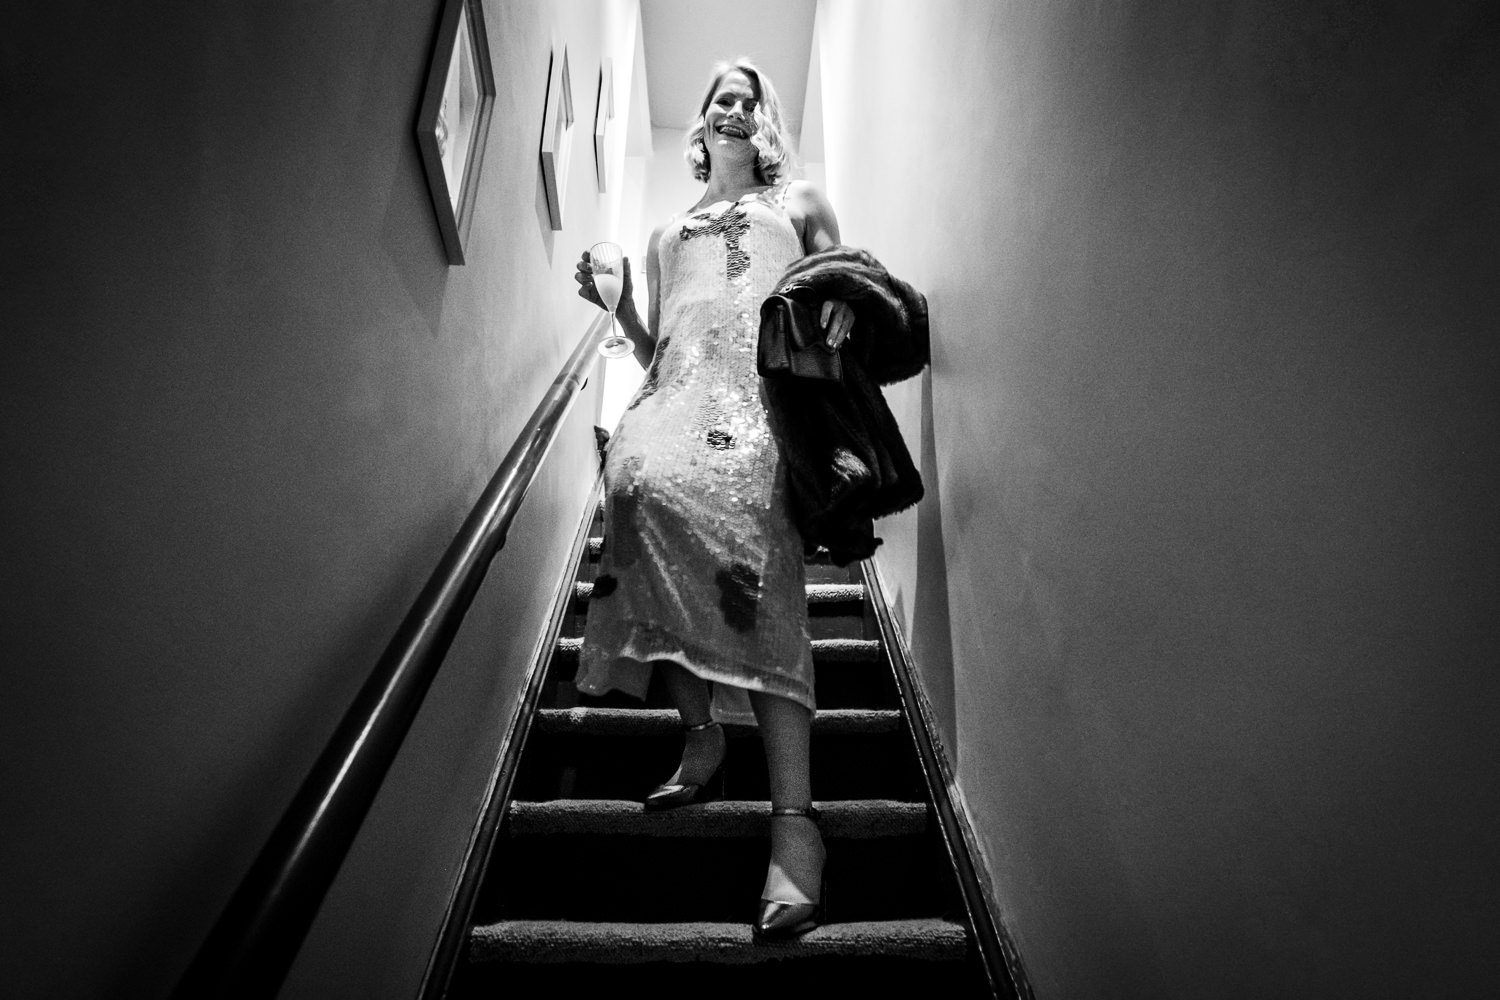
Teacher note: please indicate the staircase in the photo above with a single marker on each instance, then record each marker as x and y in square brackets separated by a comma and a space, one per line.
[585, 891]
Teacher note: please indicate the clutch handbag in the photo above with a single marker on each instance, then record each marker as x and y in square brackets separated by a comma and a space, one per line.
[792, 343]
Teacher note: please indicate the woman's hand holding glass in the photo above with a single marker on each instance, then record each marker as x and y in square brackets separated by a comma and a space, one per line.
[604, 279]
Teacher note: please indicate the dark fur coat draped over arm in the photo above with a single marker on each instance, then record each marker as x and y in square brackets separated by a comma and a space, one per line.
[846, 461]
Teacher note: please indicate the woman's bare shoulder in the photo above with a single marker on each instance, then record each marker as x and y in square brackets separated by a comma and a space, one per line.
[805, 194]
[812, 215]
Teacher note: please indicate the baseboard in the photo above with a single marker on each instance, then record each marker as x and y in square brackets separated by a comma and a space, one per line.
[997, 948]
[447, 950]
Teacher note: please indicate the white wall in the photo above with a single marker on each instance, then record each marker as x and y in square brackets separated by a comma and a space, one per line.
[1203, 589]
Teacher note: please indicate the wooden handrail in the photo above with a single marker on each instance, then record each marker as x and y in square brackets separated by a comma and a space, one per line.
[251, 947]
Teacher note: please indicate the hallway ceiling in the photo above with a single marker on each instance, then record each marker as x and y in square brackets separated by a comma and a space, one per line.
[684, 38]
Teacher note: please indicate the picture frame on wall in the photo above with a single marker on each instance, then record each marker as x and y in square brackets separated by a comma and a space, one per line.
[557, 134]
[604, 113]
[454, 120]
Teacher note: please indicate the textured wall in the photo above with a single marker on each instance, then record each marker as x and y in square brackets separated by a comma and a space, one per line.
[1204, 588]
[246, 404]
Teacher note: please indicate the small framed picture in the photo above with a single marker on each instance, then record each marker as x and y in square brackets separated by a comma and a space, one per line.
[557, 134]
[603, 115]
[454, 119]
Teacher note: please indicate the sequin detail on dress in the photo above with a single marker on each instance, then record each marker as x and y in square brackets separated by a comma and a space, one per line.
[731, 224]
[707, 565]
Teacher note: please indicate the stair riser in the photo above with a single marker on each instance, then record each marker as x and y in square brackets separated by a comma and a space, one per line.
[649, 879]
[826, 620]
[772, 980]
[844, 766]
[835, 685]
[823, 572]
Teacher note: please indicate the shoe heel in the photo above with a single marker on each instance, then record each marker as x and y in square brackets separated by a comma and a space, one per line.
[671, 796]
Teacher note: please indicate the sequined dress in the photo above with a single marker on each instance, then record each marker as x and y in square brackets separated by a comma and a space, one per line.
[702, 565]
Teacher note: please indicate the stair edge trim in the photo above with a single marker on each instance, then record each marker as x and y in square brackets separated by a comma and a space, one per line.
[997, 947]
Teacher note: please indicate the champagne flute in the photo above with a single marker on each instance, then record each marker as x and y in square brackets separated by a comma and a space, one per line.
[608, 264]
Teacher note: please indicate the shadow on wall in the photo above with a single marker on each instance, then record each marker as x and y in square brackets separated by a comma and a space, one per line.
[544, 216]
[543, 213]
[932, 629]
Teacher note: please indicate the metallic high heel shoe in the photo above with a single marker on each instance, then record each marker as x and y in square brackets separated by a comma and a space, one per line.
[670, 796]
[778, 920]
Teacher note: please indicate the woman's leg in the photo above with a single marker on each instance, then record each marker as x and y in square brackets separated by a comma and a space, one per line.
[796, 869]
[703, 749]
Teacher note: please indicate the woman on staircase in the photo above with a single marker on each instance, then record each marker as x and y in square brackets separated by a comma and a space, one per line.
[702, 574]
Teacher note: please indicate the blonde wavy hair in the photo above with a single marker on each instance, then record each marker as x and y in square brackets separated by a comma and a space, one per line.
[775, 161]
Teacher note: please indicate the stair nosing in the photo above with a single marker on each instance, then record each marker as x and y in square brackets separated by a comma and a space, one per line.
[617, 943]
[837, 650]
[600, 721]
[595, 547]
[817, 593]
[845, 819]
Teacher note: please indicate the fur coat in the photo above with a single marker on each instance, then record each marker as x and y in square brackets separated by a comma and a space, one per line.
[846, 461]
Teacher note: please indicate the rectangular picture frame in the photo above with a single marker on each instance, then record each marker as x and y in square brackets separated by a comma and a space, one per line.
[557, 134]
[604, 113]
[453, 122]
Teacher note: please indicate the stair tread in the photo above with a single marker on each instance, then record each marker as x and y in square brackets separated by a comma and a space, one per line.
[558, 941]
[824, 650]
[834, 593]
[847, 818]
[817, 593]
[596, 547]
[845, 650]
[592, 721]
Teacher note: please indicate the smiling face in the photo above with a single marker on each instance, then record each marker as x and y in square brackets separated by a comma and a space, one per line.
[729, 117]
[739, 123]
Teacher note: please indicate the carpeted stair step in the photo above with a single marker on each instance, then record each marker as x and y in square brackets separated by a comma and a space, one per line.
[595, 547]
[585, 721]
[622, 753]
[596, 541]
[825, 651]
[834, 610]
[567, 941]
[838, 611]
[921, 957]
[820, 569]
[848, 673]
[613, 860]
[857, 819]
[822, 598]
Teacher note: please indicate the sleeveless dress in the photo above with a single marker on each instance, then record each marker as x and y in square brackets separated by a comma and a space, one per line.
[702, 564]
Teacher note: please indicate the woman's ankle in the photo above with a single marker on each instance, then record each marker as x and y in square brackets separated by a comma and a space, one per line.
[702, 753]
[798, 856]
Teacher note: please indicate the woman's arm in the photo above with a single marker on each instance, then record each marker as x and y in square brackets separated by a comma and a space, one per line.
[645, 344]
[626, 314]
[643, 334]
[813, 217]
